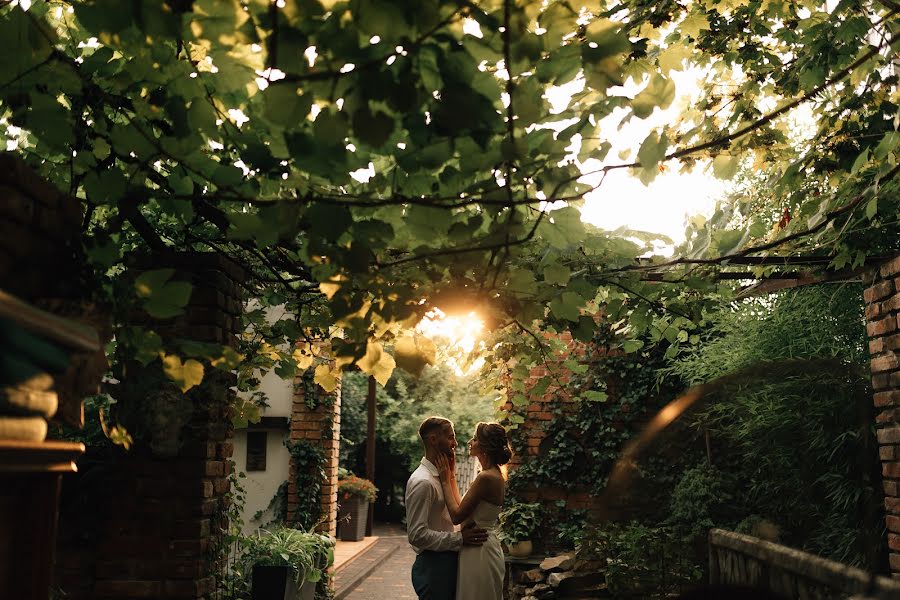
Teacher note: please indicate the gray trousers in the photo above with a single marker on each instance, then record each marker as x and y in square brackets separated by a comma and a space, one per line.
[434, 575]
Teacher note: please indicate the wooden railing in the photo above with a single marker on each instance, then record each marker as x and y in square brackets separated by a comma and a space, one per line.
[740, 559]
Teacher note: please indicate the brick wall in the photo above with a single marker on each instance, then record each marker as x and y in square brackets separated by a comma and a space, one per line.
[320, 426]
[539, 411]
[40, 235]
[42, 263]
[882, 299]
[147, 523]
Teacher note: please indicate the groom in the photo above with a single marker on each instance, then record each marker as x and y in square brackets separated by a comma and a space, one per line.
[431, 533]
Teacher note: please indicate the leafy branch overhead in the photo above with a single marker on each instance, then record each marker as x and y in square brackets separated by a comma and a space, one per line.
[368, 160]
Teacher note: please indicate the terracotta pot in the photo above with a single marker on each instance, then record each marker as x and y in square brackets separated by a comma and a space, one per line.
[520, 549]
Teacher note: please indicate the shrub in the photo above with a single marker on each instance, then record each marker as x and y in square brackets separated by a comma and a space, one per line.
[641, 561]
[700, 501]
[798, 426]
[357, 486]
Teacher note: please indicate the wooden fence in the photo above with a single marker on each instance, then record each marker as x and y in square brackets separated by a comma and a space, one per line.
[467, 467]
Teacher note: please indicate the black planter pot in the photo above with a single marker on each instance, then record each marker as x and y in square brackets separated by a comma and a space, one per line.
[353, 514]
[273, 583]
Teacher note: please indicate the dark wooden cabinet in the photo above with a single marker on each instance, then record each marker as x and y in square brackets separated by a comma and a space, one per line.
[30, 479]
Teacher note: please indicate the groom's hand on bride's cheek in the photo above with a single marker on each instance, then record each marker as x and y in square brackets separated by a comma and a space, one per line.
[473, 536]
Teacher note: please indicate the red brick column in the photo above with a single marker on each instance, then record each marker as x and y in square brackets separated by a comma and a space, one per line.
[882, 299]
[158, 509]
[321, 427]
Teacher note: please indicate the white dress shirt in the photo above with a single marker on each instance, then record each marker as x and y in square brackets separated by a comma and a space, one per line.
[428, 524]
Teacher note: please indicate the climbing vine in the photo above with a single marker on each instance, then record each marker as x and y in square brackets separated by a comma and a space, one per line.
[308, 460]
[584, 438]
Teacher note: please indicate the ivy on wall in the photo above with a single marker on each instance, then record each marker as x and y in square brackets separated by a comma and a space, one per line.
[309, 457]
[619, 392]
[309, 460]
[582, 441]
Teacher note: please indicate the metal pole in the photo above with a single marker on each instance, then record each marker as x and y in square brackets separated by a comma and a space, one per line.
[370, 448]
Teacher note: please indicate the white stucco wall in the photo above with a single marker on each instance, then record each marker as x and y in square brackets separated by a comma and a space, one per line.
[260, 486]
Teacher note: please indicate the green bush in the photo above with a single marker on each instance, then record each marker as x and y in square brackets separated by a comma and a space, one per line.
[569, 526]
[641, 561]
[702, 499]
[798, 427]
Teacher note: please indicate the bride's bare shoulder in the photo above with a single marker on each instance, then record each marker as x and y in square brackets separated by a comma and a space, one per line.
[493, 485]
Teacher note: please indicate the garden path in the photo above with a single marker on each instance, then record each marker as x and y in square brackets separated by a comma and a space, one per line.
[380, 573]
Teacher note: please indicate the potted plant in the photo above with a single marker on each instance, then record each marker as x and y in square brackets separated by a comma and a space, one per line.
[354, 496]
[286, 563]
[517, 524]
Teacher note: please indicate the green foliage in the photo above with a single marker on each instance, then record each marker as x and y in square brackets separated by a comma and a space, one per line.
[641, 561]
[356, 486]
[807, 323]
[583, 440]
[162, 298]
[307, 554]
[214, 127]
[791, 444]
[92, 435]
[406, 401]
[799, 433]
[518, 521]
[571, 529]
[703, 498]
[308, 460]
[231, 580]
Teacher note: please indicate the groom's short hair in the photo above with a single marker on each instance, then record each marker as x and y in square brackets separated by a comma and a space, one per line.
[432, 424]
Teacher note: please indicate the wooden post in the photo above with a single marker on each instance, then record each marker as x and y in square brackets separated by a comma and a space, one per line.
[370, 448]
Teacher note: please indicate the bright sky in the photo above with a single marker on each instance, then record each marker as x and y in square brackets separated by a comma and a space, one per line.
[456, 336]
[663, 206]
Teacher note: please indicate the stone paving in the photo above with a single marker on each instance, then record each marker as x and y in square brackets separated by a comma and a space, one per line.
[380, 573]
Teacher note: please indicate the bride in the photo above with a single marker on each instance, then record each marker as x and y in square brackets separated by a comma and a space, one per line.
[481, 568]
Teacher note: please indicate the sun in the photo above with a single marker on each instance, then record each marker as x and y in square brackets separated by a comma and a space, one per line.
[456, 336]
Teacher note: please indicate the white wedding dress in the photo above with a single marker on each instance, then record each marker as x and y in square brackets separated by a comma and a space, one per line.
[481, 568]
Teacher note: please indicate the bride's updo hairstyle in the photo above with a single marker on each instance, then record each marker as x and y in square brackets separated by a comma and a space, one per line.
[493, 441]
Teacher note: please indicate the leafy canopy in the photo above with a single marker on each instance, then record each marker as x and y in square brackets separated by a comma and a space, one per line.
[245, 128]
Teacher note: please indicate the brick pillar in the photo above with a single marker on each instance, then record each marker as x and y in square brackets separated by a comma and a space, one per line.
[163, 502]
[882, 299]
[315, 420]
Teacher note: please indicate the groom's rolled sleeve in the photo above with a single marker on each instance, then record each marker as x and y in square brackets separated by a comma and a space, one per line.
[419, 497]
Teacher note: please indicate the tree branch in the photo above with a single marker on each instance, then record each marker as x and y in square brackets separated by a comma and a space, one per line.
[465, 249]
[734, 257]
[727, 139]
